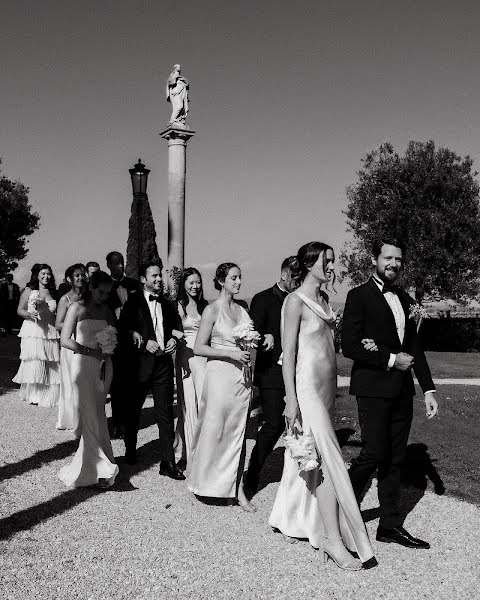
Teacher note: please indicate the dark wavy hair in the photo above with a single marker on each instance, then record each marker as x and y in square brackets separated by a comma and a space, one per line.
[97, 279]
[387, 241]
[183, 297]
[71, 270]
[33, 283]
[306, 257]
[221, 273]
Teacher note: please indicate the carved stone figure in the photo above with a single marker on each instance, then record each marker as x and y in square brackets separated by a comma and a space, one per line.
[177, 93]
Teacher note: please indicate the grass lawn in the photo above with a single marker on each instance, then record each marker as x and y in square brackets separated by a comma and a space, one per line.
[443, 452]
[456, 365]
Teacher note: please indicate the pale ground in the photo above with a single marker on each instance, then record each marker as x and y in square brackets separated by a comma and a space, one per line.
[344, 381]
[149, 538]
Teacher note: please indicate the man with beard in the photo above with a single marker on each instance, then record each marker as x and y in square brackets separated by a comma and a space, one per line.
[379, 312]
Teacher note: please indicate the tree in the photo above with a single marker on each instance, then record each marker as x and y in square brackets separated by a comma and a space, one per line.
[141, 245]
[428, 198]
[17, 221]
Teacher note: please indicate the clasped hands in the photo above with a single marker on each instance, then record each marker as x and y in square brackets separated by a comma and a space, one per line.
[403, 361]
[154, 347]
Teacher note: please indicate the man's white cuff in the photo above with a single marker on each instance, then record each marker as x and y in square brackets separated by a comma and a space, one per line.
[391, 361]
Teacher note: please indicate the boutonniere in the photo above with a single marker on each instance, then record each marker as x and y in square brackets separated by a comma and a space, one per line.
[418, 313]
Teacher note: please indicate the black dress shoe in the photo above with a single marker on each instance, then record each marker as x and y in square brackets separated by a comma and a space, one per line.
[368, 564]
[399, 535]
[170, 469]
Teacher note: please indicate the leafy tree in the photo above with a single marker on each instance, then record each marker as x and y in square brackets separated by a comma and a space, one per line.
[428, 198]
[141, 245]
[17, 221]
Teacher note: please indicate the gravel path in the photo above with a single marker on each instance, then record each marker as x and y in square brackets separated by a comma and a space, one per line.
[149, 538]
[344, 381]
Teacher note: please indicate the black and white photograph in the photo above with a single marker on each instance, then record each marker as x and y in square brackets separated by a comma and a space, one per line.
[239, 300]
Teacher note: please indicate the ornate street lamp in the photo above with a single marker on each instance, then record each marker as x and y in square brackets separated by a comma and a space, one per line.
[139, 175]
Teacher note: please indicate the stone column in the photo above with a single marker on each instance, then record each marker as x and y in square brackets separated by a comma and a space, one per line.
[177, 138]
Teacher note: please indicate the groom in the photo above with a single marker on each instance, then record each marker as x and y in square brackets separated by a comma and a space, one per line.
[146, 324]
[382, 381]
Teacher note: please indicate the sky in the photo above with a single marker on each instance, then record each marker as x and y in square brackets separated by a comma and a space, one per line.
[285, 98]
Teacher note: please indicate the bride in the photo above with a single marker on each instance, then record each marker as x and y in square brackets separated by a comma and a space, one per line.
[319, 504]
[93, 463]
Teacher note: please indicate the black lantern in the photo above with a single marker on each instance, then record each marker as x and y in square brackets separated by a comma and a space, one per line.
[139, 175]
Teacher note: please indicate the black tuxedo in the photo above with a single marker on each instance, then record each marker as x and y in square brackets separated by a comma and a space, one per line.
[265, 311]
[119, 398]
[146, 371]
[384, 396]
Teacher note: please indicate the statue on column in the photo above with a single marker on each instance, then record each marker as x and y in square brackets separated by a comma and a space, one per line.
[177, 94]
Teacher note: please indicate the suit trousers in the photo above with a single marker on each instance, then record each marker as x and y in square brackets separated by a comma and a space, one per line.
[273, 405]
[161, 385]
[385, 426]
[119, 389]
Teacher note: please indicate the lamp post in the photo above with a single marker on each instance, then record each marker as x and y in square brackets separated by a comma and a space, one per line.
[139, 176]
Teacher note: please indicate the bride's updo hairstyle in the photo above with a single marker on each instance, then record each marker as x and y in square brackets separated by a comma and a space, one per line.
[221, 274]
[306, 257]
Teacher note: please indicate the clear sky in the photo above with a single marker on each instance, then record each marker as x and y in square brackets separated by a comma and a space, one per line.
[286, 97]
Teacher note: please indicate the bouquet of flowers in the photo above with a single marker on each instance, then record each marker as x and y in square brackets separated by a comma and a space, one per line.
[246, 338]
[302, 449]
[107, 339]
[33, 300]
[418, 312]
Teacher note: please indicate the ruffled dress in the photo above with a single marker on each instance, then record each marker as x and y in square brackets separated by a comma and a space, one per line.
[39, 371]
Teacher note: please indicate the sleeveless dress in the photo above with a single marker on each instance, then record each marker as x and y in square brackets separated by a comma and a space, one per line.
[68, 402]
[189, 373]
[39, 371]
[295, 511]
[216, 463]
[93, 459]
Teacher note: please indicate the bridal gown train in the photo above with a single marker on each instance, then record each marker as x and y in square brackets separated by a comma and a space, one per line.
[216, 464]
[295, 511]
[93, 459]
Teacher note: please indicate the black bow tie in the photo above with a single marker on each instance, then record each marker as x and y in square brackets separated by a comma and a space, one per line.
[152, 297]
[389, 288]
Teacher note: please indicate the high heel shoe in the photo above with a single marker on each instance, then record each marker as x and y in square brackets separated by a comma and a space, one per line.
[354, 564]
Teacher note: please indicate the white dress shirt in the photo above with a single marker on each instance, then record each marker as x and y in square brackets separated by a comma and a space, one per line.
[156, 313]
[398, 314]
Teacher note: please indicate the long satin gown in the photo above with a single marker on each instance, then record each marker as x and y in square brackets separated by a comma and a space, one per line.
[216, 464]
[190, 374]
[93, 459]
[296, 511]
[68, 401]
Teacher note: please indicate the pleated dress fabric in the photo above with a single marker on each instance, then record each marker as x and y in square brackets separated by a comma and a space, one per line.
[39, 371]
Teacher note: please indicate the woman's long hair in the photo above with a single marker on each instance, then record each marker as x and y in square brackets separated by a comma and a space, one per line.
[33, 283]
[71, 270]
[183, 297]
[306, 257]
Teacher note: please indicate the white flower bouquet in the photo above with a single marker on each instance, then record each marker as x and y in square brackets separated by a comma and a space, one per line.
[246, 338]
[417, 312]
[302, 448]
[33, 301]
[107, 339]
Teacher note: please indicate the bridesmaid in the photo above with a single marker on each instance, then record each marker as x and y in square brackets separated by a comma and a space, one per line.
[215, 467]
[75, 277]
[319, 504]
[189, 369]
[93, 463]
[39, 372]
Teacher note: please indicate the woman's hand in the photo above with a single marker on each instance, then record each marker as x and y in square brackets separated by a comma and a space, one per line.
[370, 344]
[291, 411]
[241, 356]
[137, 339]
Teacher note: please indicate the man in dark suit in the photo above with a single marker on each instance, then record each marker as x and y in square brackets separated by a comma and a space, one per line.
[265, 311]
[123, 287]
[147, 322]
[378, 312]
[9, 297]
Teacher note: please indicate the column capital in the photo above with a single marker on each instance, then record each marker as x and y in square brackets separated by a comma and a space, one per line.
[177, 135]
